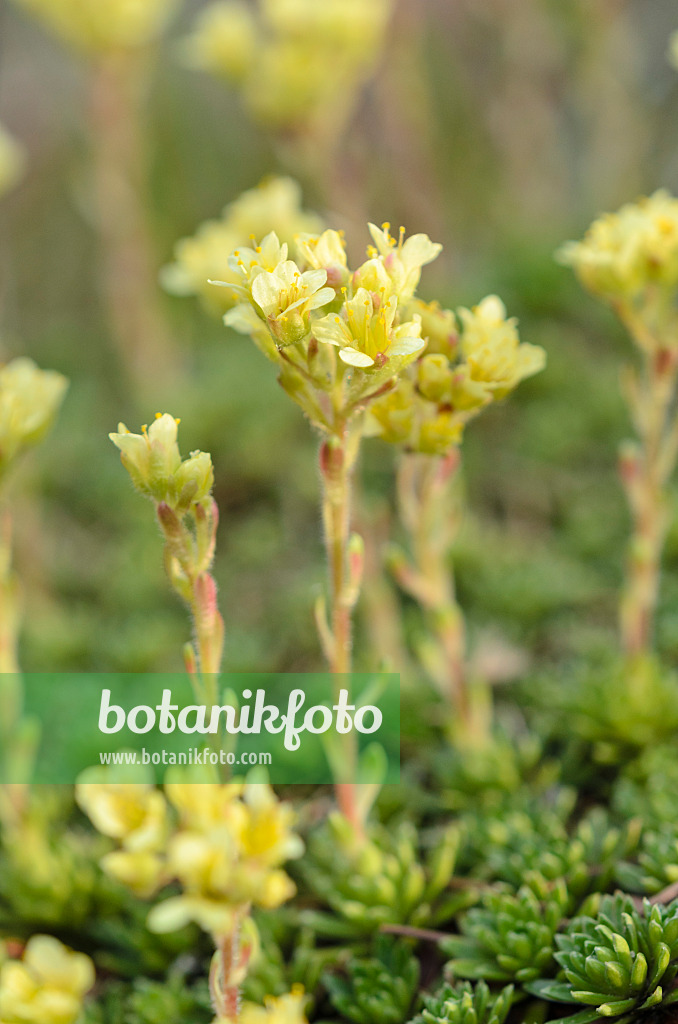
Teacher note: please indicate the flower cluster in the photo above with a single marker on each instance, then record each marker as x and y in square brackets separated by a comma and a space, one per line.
[279, 55]
[223, 843]
[95, 27]
[351, 338]
[462, 371]
[203, 257]
[631, 257]
[29, 402]
[12, 160]
[156, 468]
[47, 986]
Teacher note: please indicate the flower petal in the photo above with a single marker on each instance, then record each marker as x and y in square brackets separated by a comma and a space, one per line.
[352, 357]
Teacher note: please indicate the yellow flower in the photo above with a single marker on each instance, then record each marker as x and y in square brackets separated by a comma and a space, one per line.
[267, 836]
[285, 1009]
[286, 297]
[280, 58]
[496, 359]
[142, 871]
[134, 814]
[47, 986]
[438, 326]
[407, 417]
[366, 336]
[393, 417]
[154, 464]
[224, 40]
[246, 263]
[272, 207]
[624, 253]
[29, 402]
[226, 855]
[202, 805]
[95, 26]
[12, 162]
[403, 259]
[324, 252]
[352, 27]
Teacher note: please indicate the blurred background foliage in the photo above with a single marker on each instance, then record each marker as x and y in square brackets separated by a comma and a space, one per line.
[500, 127]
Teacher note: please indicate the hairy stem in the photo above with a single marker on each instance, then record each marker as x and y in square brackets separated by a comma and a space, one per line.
[428, 514]
[645, 470]
[338, 456]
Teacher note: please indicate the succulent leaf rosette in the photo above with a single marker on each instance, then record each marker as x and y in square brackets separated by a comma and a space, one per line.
[619, 964]
[465, 1003]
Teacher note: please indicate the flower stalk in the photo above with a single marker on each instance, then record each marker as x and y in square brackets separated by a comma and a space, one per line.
[629, 259]
[430, 513]
[128, 273]
[181, 491]
[645, 470]
[338, 456]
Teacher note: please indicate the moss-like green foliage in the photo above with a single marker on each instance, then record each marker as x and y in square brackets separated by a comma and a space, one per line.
[648, 786]
[467, 1004]
[535, 848]
[621, 707]
[657, 864]
[509, 938]
[620, 963]
[382, 880]
[378, 990]
[171, 1001]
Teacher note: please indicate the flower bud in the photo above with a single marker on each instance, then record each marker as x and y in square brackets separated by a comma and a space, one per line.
[194, 479]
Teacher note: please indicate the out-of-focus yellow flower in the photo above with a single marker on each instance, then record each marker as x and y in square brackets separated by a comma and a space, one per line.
[438, 326]
[624, 254]
[406, 417]
[496, 358]
[203, 806]
[142, 871]
[227, 855]
[267, 836]
[366, 336]
[280, 57]
[134, 814]
[29, 402]
[154, 464]
[223, 40]
[47, 986]
[95, 26]
[12, 162]
[285, 1009]
[274, 206]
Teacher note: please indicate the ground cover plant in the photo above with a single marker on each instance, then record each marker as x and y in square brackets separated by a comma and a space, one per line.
[446, 450]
